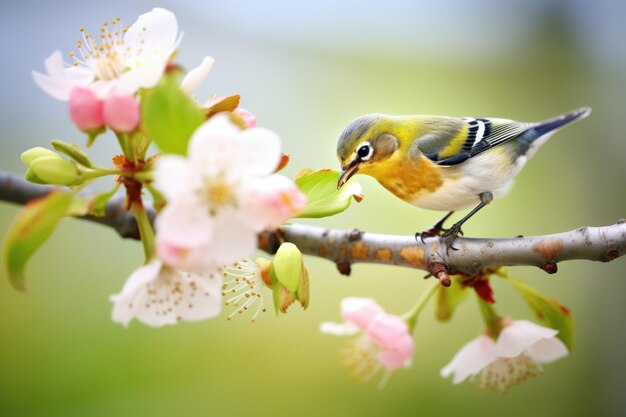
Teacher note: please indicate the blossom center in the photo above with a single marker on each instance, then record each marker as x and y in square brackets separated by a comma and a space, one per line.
[360, 358]
[218, 194]
[105, 54]
[504, 373]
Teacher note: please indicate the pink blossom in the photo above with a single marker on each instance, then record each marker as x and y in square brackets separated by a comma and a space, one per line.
[384, 341]
[86, 110]
[276, 199]
[121, 113]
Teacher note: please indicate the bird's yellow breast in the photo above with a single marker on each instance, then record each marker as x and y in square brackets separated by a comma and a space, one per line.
[404, 177]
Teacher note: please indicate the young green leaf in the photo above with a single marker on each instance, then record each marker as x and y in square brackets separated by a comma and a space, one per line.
[448, 299]
[170, 116]
[323, 198]
[98, 203]
[33, 225]
[548, 311]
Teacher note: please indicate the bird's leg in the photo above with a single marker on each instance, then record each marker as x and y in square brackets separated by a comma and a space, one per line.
[455, 230]
[434, 230]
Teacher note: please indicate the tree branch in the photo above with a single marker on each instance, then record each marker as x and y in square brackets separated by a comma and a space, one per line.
[346, 247]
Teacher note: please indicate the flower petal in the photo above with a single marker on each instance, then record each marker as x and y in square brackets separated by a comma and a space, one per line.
[234, 240]
[174, 177]
[471, 359]
[338, 329]
[125, 307]
[152, 33]
[386, 330]
[360, 311]
[60, 80]
[547, 350]
[196, 76]
[262, 151]
[400, 356]
[520, 335]
[168, 297]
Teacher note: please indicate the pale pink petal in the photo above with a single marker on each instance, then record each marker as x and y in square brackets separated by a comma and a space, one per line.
[386, 330]
[125, 307]
[261, 151]
[183, 223]
[214, 148]
[156, 31]
[360, 311]
[521, 334]
[60, 80]
[547, 350]
[232, 240]
[338, 329]
[174, 177]
[168, 296]
[271, 201]
[471, 359]
[196, 76]
[151, 40]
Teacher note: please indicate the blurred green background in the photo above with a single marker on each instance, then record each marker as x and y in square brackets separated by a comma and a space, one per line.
[306, 69]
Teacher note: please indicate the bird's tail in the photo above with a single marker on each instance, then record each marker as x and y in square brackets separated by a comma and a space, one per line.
[534, 137]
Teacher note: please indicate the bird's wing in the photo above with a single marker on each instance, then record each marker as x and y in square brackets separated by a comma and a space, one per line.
[474, 137]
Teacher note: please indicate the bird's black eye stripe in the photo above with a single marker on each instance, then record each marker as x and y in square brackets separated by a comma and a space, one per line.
[365, 151]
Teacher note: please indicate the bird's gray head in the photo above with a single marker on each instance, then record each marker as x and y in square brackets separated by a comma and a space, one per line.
[366, 140]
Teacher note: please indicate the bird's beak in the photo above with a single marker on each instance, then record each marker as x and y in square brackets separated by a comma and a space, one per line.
[347, 171]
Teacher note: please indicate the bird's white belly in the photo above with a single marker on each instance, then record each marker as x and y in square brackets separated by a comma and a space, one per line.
[463, 183]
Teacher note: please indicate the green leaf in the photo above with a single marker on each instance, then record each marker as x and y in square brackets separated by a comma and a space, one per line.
[287, 265]
[549, 312]
[323, 198]
[33, 225]
[448, 299]
[170, 116]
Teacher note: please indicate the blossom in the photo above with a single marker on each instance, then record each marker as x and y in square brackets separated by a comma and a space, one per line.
[383, 344]
[118, 58]
[244, 287]
[212, 216]
[157, 294]
[517, 354]
[195, 77]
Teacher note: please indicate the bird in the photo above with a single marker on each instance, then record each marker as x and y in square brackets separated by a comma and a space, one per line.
[444, 163]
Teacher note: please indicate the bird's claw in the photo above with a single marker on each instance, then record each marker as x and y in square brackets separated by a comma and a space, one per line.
[451, 234]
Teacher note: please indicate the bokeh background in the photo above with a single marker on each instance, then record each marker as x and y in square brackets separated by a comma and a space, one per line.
[306, 69]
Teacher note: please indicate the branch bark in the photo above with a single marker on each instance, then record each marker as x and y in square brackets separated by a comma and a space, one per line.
[347, 247]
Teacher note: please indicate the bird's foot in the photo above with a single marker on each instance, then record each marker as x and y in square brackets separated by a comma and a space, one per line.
[434, 231]
[451, 234]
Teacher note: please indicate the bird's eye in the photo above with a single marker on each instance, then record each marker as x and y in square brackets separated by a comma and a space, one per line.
[365, 151]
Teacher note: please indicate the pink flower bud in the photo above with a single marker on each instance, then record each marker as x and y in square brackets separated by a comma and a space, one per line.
[276, 199]
[86, 109]
[247, 117]
[121, 113]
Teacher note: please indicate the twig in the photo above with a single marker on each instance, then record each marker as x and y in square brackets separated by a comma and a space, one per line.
[347, 247]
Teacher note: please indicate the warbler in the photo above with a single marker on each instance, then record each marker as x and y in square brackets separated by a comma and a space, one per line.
[444, 163]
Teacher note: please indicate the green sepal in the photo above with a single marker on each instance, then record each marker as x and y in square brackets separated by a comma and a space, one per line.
[548, 311]
[93, 134]
[275, 290]
[287, 265]
[170, 116]
[323, 198]
[30, 176]
[98, 203]
[448, 299]
[33, 225]
[73, 151]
